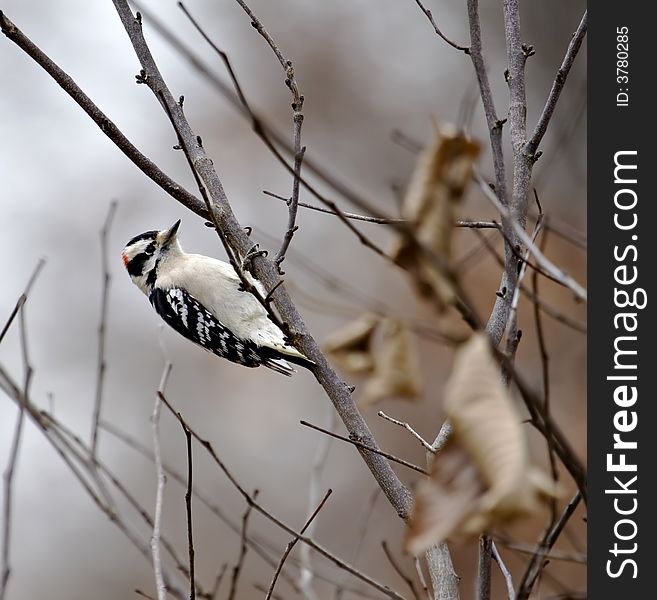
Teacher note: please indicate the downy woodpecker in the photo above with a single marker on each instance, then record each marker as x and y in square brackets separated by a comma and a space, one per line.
[202, 299]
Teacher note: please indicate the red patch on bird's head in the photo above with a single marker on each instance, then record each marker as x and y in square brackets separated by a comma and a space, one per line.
[125, 259]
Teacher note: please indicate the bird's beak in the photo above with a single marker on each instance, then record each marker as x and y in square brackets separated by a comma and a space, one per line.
[170, 234]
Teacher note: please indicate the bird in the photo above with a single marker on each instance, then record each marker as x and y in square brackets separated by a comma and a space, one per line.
[203, 299]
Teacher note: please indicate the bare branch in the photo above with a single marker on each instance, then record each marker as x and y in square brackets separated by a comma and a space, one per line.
[161, 480]
[188, 504]
[498, 318]
[548, 266]
[429, 16]
[218, 580]
[102, 327]
[22, 298]
[505, 572]
[399, 570]
[8, 475]
[576, 557]
[482, 585]
[237, 569]
[382, 220]
[306, 571]
[548, 540]
[363, 527]
[557, 86]
[293, 543]
[358, 444]
[427, 446]
[444, 580]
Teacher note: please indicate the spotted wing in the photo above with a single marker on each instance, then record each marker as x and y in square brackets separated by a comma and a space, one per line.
[184, 313]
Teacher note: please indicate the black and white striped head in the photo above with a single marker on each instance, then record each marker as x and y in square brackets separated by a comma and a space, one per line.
[145, 252]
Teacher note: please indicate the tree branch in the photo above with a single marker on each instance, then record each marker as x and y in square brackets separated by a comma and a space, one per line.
[265, 271]
[557, 86]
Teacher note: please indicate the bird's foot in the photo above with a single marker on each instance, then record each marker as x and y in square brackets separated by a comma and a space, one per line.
[251, 254]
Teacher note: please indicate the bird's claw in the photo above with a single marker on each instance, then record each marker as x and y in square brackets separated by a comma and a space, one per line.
[251, 254]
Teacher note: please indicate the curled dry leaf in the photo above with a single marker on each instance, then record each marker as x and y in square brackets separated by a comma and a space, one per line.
[351, 346]
[441, 175]
[495, 482]
[396, 366]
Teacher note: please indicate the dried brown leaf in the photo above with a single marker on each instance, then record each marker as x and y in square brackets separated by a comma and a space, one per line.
[396, 366]
[441, 175]
[350, 346]
[488, 431]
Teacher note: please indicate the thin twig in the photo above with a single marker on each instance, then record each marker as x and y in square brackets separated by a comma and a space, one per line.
[528, 549]
[513, 335]
[470, 224]
[364, 521]
[102, 327]
[429, 16]
[420, 575]
[545, 375]
[557, 86]
[548, 309]
[505, 572]
[8, 475]
[297, 119]
[217, 582]
[293, 543]
[188, 504]
[237, 569]
[358, 444]
[161, 480]
[427, 446]
[306, 571]
[22, 298]
[399, 570]
[482, 585]
[537, 563]
[547, 265]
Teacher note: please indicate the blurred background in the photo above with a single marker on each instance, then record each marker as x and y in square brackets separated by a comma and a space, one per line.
[368, 70]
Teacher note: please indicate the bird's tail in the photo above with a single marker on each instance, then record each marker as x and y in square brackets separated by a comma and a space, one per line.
[281, 354]
[280, 366]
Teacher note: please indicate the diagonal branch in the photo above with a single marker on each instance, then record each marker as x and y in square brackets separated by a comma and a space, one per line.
[557, 86]
[265, 271]
[428, 14]
[293, 543]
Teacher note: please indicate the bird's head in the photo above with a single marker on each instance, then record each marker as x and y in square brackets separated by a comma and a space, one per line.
[144, 253]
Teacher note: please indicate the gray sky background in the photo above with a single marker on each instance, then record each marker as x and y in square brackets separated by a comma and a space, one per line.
[366, 68]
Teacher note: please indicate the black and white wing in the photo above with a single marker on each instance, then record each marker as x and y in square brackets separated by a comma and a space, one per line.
[184, 313]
